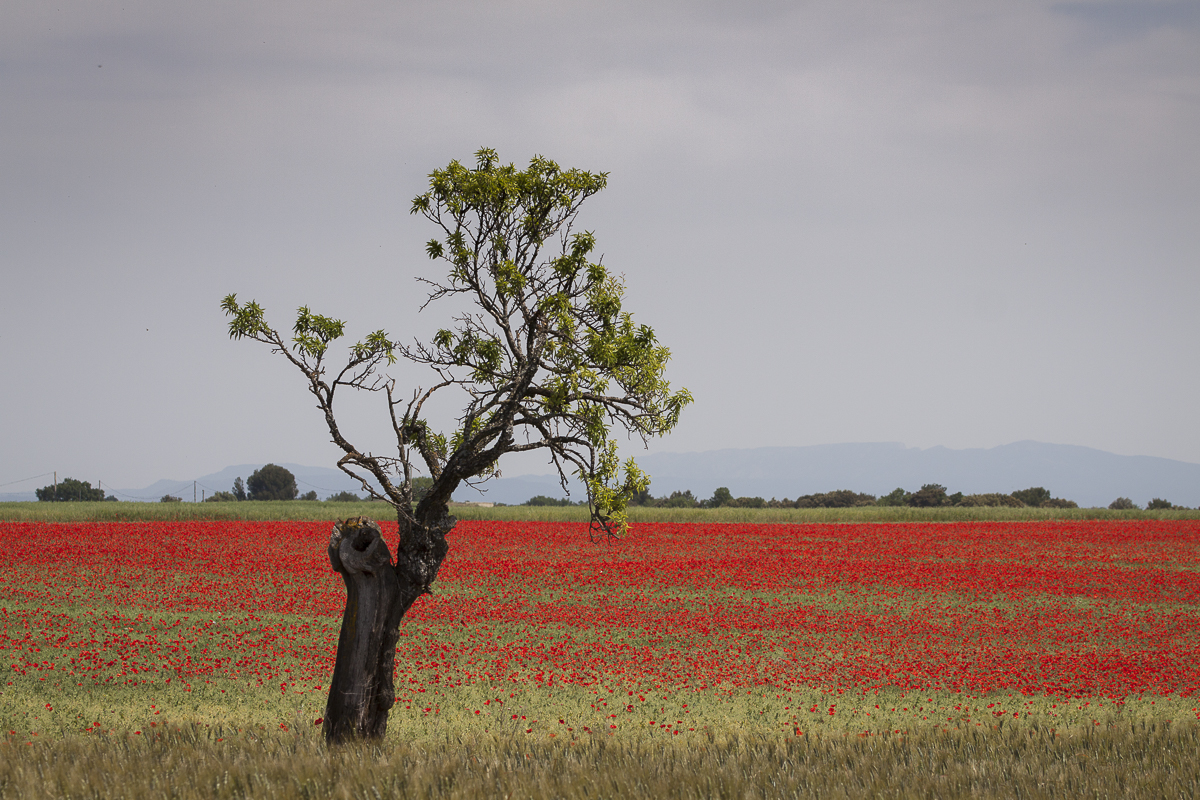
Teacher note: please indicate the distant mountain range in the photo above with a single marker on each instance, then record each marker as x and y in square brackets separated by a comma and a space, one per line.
[1089, 477]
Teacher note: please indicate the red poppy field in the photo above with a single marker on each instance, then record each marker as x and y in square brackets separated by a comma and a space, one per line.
[676, 630]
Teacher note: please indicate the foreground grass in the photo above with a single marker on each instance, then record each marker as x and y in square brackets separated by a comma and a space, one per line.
[225, 738]
[316, 510]
[1142, 759]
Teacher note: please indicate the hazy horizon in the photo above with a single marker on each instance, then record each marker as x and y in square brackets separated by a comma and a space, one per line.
[1088, 476]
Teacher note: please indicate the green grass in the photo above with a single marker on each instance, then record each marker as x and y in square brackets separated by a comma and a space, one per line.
[226, 738]
[316, 510]
[1140, 759]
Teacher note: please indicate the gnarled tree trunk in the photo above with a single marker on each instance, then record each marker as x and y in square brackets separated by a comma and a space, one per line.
[378, 595]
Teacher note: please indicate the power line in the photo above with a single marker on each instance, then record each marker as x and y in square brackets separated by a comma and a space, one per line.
[313, 485]
[35, 477]
[130, 496]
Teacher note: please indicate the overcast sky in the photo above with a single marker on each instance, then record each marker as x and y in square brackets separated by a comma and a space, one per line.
[939, 223]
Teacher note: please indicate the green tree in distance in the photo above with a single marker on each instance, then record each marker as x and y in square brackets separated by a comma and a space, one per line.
[721, 497]
[272, 482]
[928, 496]
[69, 490]
[677, 499]
[545, 359]
[896, 497]
[543, 500]
[1034, 496]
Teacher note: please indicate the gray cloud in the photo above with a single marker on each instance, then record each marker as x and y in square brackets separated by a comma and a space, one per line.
[929, 222]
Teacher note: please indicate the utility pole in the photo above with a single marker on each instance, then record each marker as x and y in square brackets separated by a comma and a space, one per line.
[55, 485]
[193, 491]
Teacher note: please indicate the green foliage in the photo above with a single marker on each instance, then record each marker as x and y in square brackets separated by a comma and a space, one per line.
[842, 498]
[272, 482]
[1122, 504]
[928, 496]
[683, 499]
[170, 498]
[543, 500]
[642, 498]
[677, 499]
[1158, 504]
[1058, 502]
[749, 502]
[548, 357]
[309, 495]
[495, 221]
[1033, 496]
[221, 497]
[343, 497]
[990, 500]
[721, 497]
[897, 497]
[69, 491]
[933, 495]
[239, 489]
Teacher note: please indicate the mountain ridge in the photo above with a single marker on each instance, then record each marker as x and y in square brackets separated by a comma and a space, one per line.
[1086, 475]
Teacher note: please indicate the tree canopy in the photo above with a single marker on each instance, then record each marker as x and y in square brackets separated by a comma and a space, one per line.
[547, 358]
[1033, 496]
[272, 482]
[69, 490]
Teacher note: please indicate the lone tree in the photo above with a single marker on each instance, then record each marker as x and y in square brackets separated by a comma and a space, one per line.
[272, 482]
[546, 359]
[69, 490]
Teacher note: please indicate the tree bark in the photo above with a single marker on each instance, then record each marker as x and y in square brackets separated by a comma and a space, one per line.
[378, 595]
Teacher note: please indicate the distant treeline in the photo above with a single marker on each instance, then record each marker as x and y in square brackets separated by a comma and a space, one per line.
[276, 483]
[931, 495]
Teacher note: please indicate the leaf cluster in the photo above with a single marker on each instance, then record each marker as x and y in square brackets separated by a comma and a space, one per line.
[549, 356]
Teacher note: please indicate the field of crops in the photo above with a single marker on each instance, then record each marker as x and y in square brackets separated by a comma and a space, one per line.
[679, 640]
